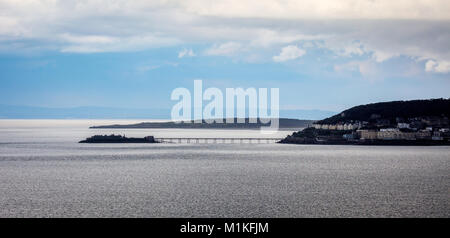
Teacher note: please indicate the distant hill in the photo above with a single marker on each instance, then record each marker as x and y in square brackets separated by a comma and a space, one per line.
[284, 123]
[31, 112]
[392, 110]
[28, 112]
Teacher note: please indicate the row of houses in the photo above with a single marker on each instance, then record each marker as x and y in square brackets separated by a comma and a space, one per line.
[393, 134]
[359, 125]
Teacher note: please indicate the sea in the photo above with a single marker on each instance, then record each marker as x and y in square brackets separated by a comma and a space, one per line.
[45, 172]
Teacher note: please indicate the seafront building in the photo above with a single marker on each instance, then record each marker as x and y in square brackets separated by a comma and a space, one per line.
[418, 129]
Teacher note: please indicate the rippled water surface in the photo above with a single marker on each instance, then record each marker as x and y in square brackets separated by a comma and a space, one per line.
[44, 172]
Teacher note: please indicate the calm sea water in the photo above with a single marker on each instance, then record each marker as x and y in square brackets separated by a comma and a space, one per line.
[44, 172]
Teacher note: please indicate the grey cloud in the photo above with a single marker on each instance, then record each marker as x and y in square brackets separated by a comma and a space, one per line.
[422, 32]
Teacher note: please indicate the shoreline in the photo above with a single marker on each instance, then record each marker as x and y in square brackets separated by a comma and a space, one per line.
[370, 143]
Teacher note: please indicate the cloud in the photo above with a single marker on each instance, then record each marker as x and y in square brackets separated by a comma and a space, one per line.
[323, 9]
[267, 37]
[437, 67]
[225, 49]
[289, 52]
[91, 39]
[381, 56]
[146, 66]
[99, 43]
[367, 69]
[186, 53]
[381, 29]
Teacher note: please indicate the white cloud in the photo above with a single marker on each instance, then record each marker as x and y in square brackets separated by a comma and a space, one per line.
[437, 67]
[225, 49]
[381, 56]
[289, 52]
[367, 69]
[430, 65]
[91, 39]
[95, 43]
[267, 37]
[145, 67]
[342, 47]
[186, 53]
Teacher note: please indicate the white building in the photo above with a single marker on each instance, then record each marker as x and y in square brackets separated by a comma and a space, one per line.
[403, 125]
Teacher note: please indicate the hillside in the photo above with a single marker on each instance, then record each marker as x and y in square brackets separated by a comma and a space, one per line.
[392, 111]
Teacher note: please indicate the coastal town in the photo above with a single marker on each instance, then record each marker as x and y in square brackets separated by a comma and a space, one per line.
[415, 122]
[419, 128]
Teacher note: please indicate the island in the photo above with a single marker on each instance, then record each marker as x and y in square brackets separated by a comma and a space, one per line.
[415, 122]
[118, 139]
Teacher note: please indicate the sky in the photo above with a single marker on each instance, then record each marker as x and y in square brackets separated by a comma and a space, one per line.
[322, 54]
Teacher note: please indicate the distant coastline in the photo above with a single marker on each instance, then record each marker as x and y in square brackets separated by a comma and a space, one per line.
[92, 112]
[284, 124]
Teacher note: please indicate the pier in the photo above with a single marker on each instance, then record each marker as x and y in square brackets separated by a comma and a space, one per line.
[211, 140]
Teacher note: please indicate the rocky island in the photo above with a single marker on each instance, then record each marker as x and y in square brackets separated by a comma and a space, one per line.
[118, 139]
[416, 122]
